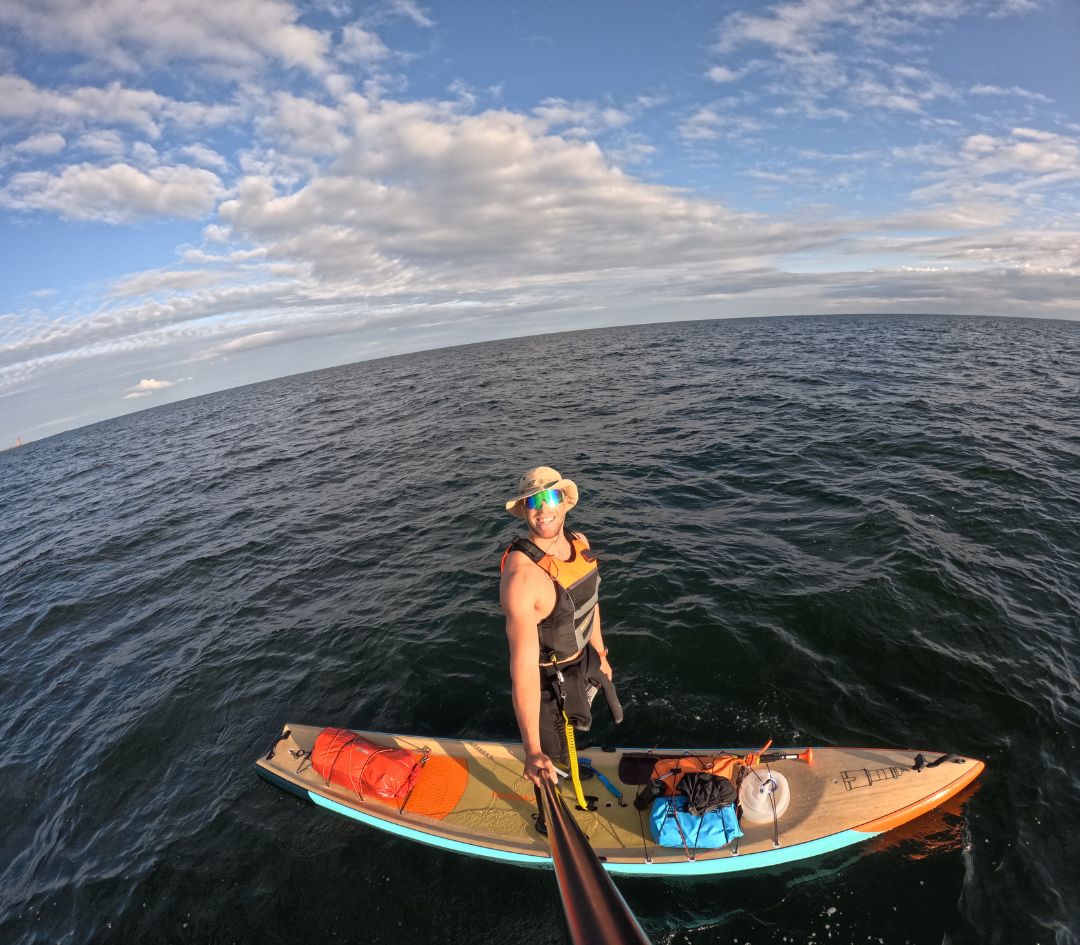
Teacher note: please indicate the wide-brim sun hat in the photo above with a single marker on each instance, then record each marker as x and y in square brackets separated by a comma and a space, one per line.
[537, 480]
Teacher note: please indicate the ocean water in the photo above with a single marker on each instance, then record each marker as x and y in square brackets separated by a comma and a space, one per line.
[824, 531]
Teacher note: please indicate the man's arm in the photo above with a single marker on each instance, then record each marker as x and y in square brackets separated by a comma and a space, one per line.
[518, 594]
[596, 641]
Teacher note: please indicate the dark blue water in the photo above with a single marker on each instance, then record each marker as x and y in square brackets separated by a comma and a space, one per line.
[852, 530]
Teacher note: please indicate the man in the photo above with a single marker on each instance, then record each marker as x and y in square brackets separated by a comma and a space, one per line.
[549, 596]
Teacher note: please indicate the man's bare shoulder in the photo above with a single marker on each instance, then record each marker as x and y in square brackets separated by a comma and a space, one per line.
[523, 581]
[518, 567]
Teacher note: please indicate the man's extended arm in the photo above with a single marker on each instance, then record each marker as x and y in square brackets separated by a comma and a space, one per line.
[518, 604]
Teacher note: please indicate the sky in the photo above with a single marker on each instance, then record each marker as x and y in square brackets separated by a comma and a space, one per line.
[198, 194]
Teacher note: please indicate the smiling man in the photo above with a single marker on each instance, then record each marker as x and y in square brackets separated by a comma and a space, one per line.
[548, 592]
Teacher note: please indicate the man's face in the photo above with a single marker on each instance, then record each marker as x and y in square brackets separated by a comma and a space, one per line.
[547, 520]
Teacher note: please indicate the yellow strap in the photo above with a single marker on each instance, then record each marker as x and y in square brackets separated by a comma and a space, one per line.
[574, 775]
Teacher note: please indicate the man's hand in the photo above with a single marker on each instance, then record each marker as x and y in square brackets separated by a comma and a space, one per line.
[605, 666]
[538, 766]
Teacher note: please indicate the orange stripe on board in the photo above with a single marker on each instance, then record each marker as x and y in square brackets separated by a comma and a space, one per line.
[439, 787]
[919, 808]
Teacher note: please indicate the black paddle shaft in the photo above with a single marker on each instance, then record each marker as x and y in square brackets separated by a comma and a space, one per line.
[596, 912]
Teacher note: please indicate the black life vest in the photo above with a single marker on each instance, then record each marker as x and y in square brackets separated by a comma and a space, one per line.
[577, 583]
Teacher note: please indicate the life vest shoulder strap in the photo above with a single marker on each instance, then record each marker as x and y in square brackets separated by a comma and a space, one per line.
[581, 546]
[526, 547]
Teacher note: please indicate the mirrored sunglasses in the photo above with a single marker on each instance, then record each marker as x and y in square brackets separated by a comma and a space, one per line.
[547, 497]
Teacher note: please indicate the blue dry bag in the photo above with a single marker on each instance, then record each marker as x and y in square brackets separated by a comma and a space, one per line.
[716, 828]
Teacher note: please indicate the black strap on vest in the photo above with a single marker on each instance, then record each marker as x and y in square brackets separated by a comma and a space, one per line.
[532, 551]
[527, 548]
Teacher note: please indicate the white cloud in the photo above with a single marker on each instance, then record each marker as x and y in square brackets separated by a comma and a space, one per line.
[1026, 164]
[791, 27]
[118, 193]
[149, 384]
[38, 341]
[45, 143]
[723, 74]
[1011, 91]
[144, 153]
[410, 10]
[800, 175]
[303, 127]
[361, 46]
[205, 157]
[20, 99]
[630, 149]
[146, 387]
[234, 35]
[107, 143]
[971, 215]
[1017, 250]
[713, 122]
[159, 281]
[870, 93]
[580, 119]
[258, 339]
[143, 110]
[1011, 7]
[811, 64]
[216, 234]
[803, 26]
[428, 197]
[425, 204]
[809, 81]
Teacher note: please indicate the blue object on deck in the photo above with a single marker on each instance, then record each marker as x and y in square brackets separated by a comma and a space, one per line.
[674, 826]
[603, 779]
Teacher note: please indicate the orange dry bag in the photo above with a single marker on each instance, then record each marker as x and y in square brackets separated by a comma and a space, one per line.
[670, 771]
[369, 770]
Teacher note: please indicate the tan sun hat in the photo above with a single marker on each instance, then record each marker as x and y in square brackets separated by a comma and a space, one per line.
[537, 480]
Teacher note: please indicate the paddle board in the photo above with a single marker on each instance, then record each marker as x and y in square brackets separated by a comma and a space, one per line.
[470, 798]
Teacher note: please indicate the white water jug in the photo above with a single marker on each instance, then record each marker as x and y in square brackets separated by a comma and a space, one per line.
[762, 793]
